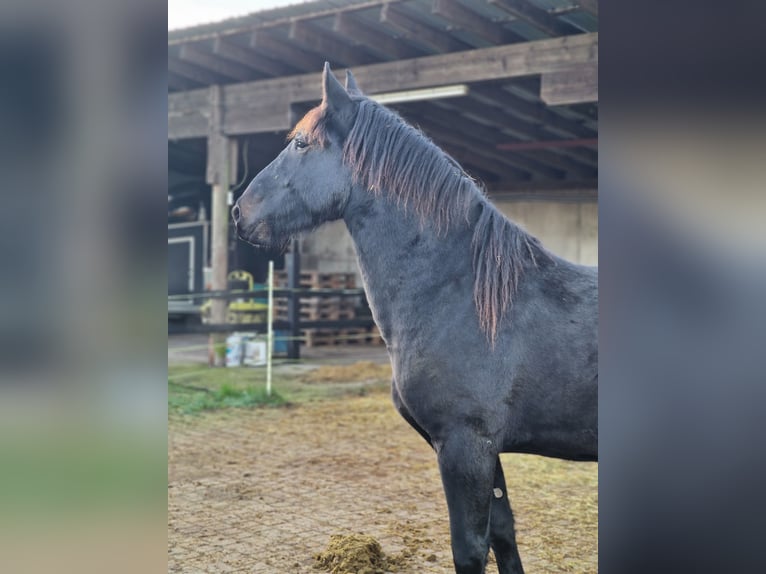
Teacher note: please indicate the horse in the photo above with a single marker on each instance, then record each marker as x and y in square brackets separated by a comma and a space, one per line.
[492, 338]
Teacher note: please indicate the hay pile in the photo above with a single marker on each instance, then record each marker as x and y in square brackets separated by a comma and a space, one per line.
[358, 372]
[353, 554]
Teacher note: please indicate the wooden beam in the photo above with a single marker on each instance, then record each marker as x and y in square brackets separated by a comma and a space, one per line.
[577, 85]
[536, 112]
[330, 47]
[221, 172]
[237, 53]
[464, 18]
[524, 131]
[470, 157]
[412, 29]
[448, 134]
[589, 6]
[570, 190]
[589, 111]
[362, 34]
[193, 72]
[499, 62]
[176, 82]
[482, 137]
[212, 62]
[188, 114]
[547, 144]
[543, 121]
[537, 17]
[263, 41]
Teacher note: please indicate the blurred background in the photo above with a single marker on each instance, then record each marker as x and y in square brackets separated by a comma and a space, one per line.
[82, 312]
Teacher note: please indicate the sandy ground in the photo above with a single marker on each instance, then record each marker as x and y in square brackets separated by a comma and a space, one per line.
[261, 491]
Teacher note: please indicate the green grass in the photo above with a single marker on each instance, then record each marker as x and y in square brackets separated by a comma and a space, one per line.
[193, 389]
[191, 400]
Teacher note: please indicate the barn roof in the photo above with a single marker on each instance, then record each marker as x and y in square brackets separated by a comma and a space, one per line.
[529, 112]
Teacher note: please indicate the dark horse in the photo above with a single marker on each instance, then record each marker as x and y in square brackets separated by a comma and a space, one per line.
[492, 339]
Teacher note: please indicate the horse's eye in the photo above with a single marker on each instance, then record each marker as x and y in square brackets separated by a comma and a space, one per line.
[300, 144]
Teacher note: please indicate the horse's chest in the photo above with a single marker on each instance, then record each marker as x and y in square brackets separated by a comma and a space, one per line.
[425, 383]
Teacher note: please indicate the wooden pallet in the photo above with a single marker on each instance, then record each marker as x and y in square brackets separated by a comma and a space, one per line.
[348, 336]
[318, 280]
[327, 337]
[318, 308]
[314, 314]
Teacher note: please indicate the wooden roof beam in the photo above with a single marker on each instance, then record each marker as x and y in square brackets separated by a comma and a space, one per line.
[412, 29]
[449, 135]
[361, 34]
[567, 190]
[535, 16]
[207, 60]
[464, 18]
[578, 85]
[330, 47]
[193, 72]
[260, 100]
[537, 112]
[297, 59]
[547, 144]
[522, 129]
[464, 148]
[470, 157]
[483, 135]
[176, 82]
[568, 165]
[237, 53]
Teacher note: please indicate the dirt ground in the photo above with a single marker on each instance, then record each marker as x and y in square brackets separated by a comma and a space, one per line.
[262, 491]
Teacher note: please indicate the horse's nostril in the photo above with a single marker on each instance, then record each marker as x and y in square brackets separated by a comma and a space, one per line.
[235, 213]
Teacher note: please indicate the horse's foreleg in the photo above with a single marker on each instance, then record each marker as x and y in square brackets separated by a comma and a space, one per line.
[502, 537]
[467, 465]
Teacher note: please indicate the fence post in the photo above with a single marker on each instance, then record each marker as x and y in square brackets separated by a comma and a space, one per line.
[293, 301]
[270, 329]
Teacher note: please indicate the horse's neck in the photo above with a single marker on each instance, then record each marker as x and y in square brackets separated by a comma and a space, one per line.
[404, 264]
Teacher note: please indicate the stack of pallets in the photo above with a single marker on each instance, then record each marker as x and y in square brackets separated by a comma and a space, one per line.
[318, 309]
[325, 309]
[318, 280]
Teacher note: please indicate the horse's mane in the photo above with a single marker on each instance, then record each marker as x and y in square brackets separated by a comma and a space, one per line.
[388, 155]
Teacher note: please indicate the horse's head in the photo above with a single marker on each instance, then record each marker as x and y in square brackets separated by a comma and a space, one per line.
[308, 183]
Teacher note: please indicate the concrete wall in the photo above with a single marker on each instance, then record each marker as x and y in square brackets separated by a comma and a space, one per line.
[329, 249]
[569, 229]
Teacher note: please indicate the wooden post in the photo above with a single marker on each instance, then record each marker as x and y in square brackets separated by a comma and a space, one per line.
[270, 329]
[221, 173]
[293, 263]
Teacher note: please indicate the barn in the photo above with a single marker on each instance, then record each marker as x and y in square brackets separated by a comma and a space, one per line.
[509, 88]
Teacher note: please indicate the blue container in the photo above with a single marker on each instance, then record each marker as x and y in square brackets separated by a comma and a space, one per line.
[280, 343]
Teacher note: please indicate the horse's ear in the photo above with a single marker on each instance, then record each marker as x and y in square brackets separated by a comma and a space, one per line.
[337, 101]
[351, 86]
[334, 96]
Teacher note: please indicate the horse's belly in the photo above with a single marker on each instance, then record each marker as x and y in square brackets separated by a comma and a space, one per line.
[569, 444]
[561, 430]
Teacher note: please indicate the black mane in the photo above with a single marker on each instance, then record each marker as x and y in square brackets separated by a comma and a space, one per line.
[388, 155]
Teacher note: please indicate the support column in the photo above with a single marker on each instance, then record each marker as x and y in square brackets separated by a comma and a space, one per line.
[293, 264]
[221, 174]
